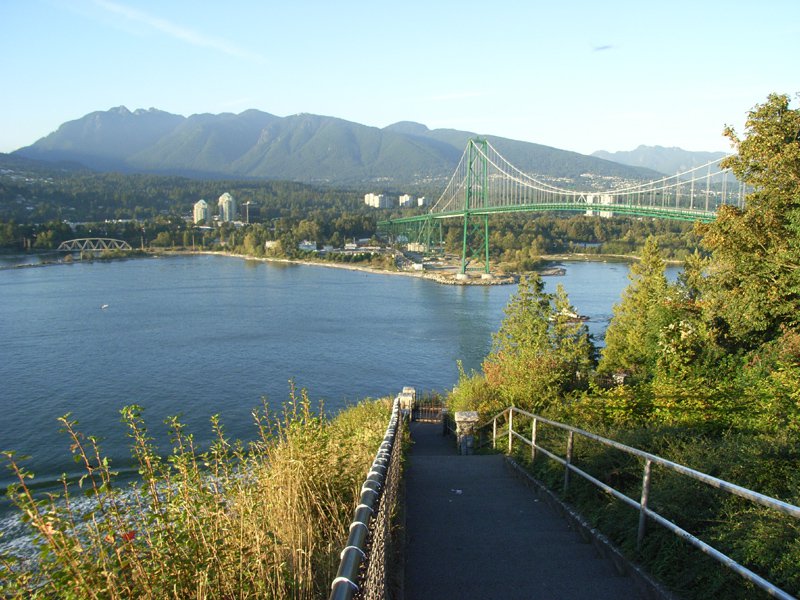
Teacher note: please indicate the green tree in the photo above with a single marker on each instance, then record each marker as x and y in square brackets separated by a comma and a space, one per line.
[540, 351]
[251, 245]
[632, 336]
[753, 287]
[163, 239]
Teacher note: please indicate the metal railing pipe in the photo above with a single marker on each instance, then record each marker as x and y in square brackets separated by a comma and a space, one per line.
[642, 504]
[568, 462]
[764, 500]
[510, 429]
[346, 583]
[726, 560]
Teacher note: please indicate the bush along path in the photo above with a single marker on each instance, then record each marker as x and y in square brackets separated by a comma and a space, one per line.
[264, 520]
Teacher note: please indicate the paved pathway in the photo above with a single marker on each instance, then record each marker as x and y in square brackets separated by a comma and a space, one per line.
[473, 530]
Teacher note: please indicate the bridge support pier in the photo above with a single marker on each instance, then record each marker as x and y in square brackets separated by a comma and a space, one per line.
[475, 244]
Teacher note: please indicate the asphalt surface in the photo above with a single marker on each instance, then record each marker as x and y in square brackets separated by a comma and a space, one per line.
[473, 530]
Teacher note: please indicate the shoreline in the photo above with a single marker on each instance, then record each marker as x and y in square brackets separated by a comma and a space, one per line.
[444, 278]
[505, 279]
[583, 257]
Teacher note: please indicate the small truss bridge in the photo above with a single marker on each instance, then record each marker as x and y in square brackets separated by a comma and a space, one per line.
[93, 245]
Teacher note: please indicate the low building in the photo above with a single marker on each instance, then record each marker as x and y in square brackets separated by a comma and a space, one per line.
[378, 200]
[602, 200]
[307, 246]
[407, 399]
[407, 200]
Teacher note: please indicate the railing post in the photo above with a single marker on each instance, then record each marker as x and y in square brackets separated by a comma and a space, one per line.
[494, 433]
[465, 431]
[510, 429]
[533, 440]
[643, 503]
[569, 461]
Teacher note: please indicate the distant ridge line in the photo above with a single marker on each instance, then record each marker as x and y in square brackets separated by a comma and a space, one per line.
[304, 147]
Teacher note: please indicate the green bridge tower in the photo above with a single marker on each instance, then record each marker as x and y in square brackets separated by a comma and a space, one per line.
[475, 244]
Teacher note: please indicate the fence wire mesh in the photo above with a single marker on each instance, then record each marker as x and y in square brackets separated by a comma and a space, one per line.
[366, 570]
[377, 579]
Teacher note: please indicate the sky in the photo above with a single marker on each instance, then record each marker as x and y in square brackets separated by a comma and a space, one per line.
[573, 74]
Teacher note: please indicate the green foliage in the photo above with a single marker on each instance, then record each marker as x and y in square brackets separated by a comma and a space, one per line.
[754, 279]
[541, 350]
[632, 336]
[473, 392]
[301, 147]
[517, 242]
[264, 521]
[712, 365]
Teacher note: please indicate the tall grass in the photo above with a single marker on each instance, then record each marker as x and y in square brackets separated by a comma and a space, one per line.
[266, 520]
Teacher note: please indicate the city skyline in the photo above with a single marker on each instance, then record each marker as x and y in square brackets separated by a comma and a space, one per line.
[577, 76]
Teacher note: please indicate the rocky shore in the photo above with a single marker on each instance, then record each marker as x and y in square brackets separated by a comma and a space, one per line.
[440, 275]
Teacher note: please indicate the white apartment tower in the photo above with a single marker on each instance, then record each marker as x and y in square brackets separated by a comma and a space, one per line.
[201, 212]
[227, 207]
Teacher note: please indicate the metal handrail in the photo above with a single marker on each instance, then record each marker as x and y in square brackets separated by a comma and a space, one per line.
[349, 578]
[641, 504]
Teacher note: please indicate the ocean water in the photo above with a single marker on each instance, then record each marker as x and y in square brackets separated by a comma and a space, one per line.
[202, 335]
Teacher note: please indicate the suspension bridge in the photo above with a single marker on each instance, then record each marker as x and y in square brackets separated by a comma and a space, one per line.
[485, 183]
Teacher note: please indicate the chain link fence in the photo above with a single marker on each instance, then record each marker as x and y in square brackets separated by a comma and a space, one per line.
[365, 571]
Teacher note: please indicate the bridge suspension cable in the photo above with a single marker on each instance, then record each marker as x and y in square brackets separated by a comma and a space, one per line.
[485, 182]
[695, 193]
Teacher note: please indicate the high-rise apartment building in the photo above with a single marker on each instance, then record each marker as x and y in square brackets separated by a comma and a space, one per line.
[227, 207]
[201, 212]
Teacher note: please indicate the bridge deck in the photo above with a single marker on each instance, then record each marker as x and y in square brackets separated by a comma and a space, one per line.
[475, 531]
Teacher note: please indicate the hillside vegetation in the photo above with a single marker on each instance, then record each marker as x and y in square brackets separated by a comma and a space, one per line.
[704, 371]
[266, 520]
[304, 147]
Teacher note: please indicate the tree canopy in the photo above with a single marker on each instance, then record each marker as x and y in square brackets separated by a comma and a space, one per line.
[753, 287]
[541, 350]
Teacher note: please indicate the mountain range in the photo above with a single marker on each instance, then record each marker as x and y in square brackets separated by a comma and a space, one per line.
[304, 147]
[664, 160]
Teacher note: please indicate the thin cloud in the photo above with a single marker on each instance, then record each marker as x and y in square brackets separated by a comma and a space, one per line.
[458, 96]
[178, 32]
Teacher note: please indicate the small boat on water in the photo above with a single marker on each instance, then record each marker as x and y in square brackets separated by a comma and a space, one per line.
[571, 316]
[104, 306]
